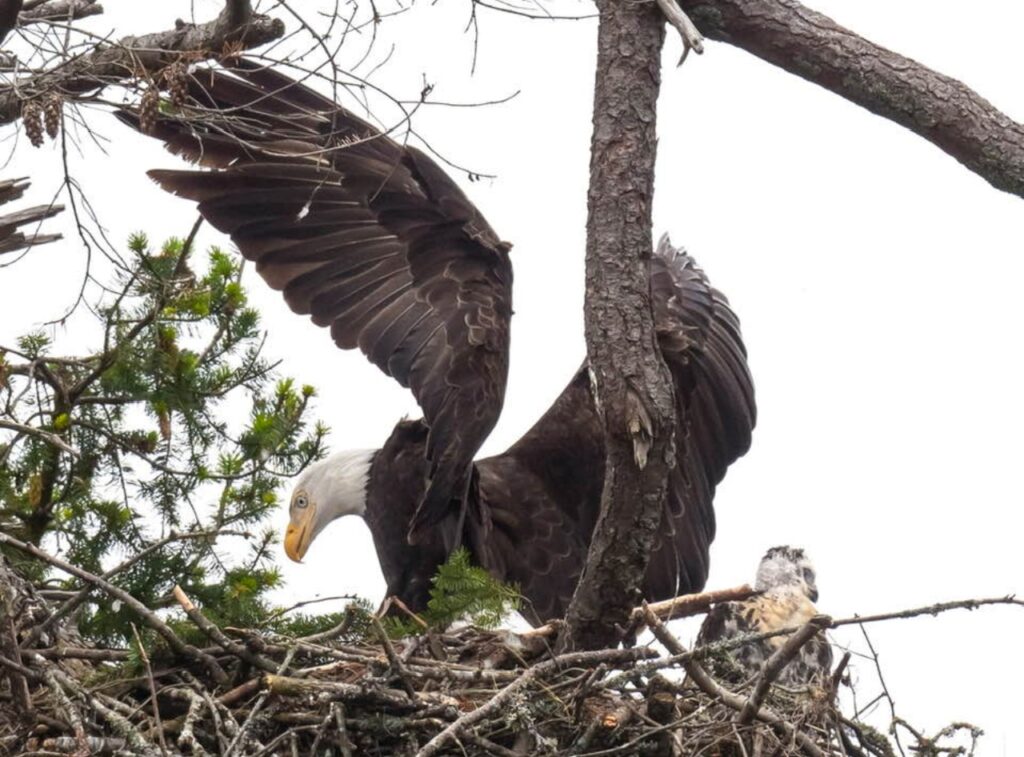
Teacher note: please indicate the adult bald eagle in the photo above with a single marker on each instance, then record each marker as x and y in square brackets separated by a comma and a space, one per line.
[373, 240]
[788, 583]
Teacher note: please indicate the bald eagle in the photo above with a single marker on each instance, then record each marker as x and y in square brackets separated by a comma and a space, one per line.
[788, 586]
[375, 242]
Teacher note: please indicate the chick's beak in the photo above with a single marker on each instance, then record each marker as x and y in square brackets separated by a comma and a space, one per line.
[299, 535]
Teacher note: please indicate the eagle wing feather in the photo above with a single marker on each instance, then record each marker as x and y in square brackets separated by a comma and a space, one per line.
[368, 237]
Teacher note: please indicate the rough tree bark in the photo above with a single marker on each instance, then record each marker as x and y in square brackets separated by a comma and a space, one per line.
[632, 384]
[939, 108]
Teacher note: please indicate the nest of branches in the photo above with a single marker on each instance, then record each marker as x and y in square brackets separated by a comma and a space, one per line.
[353, 690]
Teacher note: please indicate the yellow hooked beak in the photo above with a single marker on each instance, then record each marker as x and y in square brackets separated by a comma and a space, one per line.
[299, 534]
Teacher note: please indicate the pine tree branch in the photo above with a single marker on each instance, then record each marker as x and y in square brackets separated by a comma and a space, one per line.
[76, 600]
[941, 109]
[59, 10]
[133, 56]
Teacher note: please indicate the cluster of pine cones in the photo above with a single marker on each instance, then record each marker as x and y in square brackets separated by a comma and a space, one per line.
[175, 78]
[42, 113]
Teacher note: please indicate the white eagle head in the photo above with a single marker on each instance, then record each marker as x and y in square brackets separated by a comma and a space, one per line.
[328, 489]
[787, 568]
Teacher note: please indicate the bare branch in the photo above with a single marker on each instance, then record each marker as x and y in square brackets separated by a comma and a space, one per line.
[217, 636]
[77, 598]
[939, 108]
[683, 606]
[11, 239]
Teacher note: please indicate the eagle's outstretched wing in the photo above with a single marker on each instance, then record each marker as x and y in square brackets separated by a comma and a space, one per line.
[700, 339]
[367, 236]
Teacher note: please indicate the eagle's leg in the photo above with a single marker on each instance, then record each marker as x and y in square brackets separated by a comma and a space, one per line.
[688, 31]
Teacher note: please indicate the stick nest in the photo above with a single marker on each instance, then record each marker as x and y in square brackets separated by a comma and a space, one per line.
[353, 691]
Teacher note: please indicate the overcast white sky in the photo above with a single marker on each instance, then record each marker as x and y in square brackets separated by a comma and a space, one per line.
[878, 284]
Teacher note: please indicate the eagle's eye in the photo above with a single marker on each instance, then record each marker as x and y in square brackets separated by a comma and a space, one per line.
[808, 575]
[301, 501]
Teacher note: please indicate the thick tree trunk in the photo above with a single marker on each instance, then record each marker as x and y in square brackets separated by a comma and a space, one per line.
[939, 108]
[632, 384]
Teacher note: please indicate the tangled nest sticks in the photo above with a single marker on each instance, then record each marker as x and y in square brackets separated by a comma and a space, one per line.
[352, 690]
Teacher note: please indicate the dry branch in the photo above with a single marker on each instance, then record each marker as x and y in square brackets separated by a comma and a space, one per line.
[586, 703]
[217, 636]
[144, 55]
[683, 606]
[60, 10]
[939, 108]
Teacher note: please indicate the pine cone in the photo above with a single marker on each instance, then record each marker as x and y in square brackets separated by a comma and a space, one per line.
[30, 116]
[148, 109]
[176, 76]
[51, 115]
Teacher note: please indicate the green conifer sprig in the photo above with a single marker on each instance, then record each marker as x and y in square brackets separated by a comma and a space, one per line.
[461, 590]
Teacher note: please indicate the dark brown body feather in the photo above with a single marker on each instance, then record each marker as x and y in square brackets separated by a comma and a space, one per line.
[372, 239]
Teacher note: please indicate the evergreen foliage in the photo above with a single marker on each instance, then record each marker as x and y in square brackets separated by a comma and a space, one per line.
[174, 430]
[461, 590]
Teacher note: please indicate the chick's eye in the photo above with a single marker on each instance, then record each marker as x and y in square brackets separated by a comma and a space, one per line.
[301, 501]
[808, 575]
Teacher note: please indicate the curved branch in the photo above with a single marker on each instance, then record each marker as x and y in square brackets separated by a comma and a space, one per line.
[939, 108]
